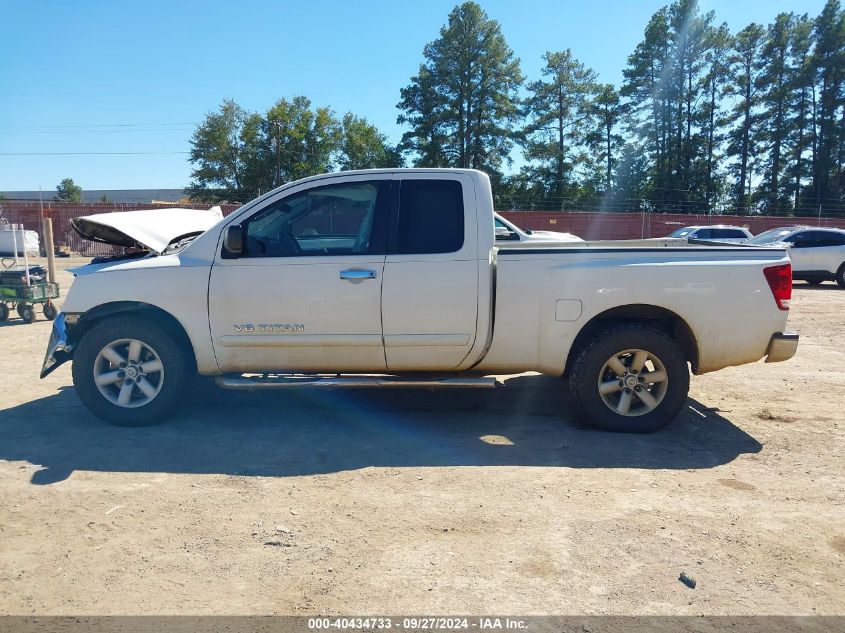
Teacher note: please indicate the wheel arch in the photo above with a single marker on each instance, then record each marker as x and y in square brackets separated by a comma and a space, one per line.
[840, 275]
[656, 316]
[112, 309]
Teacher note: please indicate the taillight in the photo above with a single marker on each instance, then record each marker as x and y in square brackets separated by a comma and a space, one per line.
[780, 281]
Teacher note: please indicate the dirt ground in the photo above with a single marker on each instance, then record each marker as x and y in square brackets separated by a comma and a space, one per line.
[430, 502]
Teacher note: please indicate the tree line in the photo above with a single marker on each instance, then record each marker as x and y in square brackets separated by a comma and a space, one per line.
[238, 155]
[704, 120]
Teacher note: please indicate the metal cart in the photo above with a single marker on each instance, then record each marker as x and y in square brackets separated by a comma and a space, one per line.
[25, 298]
[25, 295]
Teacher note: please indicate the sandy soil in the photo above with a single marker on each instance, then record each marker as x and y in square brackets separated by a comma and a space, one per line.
[421, 502]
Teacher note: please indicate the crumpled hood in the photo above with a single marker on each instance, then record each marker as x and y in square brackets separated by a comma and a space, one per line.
[153, 229]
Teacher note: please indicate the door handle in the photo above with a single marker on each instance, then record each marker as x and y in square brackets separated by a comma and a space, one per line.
[357, 275]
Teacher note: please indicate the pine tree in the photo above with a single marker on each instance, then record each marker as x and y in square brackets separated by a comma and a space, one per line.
[462, 105]
[829, 64]
[688, 37]
[799, 117]
[645, 89]
[559, 107]
[719, 43]
[604, 141]
[774, 85]
[746, 64]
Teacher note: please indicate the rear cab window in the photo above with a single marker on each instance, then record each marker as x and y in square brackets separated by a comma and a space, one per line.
[431, 217]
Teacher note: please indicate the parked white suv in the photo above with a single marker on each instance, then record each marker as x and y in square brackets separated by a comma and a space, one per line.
[714, 233]
[817, 254]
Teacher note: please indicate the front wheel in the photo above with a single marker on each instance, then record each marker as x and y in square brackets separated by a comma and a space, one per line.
[631, 379]
[840, 276]
[130, 371]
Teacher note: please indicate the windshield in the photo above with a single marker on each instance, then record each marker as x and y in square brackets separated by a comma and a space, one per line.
[681, 232]
[771, 236]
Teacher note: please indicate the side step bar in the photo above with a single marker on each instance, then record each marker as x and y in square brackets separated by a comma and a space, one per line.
[301, 381]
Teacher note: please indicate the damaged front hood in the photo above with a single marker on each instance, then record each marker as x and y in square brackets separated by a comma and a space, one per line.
[154, 229]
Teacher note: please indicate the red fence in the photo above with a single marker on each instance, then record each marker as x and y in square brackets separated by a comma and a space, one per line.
[629, 226]
[592, 225]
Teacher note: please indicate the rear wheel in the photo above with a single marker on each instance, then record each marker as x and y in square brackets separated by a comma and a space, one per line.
[4, 312]
[50, 311]
[630, 378]
[130, 372]
[840, 276]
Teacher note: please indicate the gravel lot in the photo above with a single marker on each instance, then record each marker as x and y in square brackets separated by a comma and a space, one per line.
[430, 502]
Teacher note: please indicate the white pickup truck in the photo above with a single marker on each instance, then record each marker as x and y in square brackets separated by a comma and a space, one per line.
[391, 278]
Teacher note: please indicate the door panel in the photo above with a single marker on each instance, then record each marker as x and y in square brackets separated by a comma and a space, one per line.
[832, 258]
[270, 315]
[432, 325]
[307, 293]
[802, 252]
[831, 251]
[430, 298]
[801, 258]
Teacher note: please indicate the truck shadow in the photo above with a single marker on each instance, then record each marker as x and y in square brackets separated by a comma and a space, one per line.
[531, 422]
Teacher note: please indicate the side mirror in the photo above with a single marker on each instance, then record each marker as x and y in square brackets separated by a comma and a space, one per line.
[234, 240]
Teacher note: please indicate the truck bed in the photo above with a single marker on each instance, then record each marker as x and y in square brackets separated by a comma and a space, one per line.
[545, 296]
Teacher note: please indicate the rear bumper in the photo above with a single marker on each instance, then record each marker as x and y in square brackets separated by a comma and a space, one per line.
[782, 346]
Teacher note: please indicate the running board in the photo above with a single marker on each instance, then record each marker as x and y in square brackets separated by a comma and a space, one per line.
[301, 381]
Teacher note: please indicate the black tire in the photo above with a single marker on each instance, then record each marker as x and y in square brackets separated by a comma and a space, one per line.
[19, 309]
[174, 358]
[840, 276]
[50, 311]
[27, 313]
[4, 312]
[589, 367]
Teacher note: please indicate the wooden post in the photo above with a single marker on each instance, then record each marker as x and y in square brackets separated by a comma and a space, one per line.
[49, 248]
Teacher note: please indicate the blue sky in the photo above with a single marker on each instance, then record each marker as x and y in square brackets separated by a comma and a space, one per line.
[71, 71]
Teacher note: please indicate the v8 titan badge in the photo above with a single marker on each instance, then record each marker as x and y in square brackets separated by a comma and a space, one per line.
[269, 328]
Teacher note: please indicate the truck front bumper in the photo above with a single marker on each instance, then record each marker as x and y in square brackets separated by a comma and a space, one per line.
[782, 346]
[58, 349]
